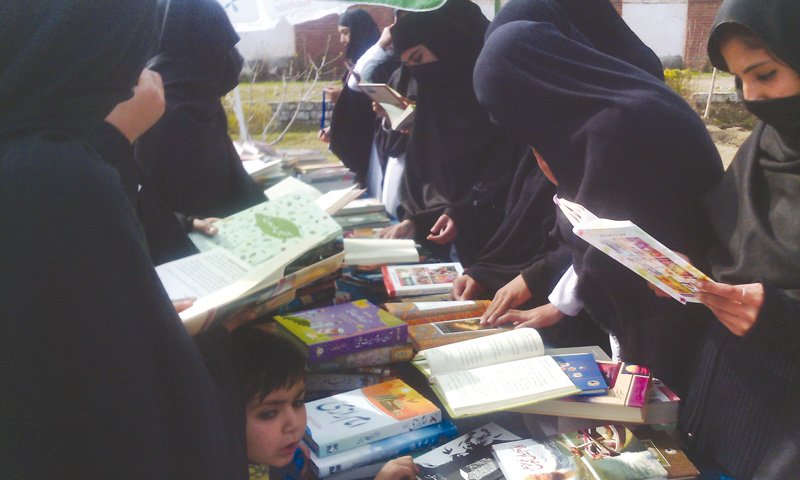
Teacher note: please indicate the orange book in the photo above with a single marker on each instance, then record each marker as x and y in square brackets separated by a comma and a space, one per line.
[415, 313]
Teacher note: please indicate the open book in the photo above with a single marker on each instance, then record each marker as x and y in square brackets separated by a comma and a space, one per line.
[633, 247]
[332, 201]
[250, 253]
[399, 113]
[498, 372]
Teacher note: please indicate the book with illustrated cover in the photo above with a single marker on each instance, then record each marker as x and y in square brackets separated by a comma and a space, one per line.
[467, 457]
[329, 332]
[384, 450]
[436, 334]
[359, 417]
[399, 113]
[634, 248]
[402, 352]
[249, 255]
[669, 453]
[427, 312]
[498, 372]
[421, 279]
[583, 370]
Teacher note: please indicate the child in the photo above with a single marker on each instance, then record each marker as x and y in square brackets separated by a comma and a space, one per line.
[272, 372]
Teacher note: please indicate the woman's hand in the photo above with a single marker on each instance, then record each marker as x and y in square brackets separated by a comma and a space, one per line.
[539, 317]
[514, 294]
[325, 135]
[404, 229]
[736, 306]
[333, 92]
[444, 231]
[205, 226]
[398, 469]
[466, 288]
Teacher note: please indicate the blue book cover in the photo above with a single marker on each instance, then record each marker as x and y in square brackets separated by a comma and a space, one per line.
[583, 371]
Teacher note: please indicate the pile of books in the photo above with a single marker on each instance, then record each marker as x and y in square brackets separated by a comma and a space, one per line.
[351, 435]
[325, 175]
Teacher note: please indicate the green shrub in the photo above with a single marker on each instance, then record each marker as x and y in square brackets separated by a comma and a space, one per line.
[680, 81]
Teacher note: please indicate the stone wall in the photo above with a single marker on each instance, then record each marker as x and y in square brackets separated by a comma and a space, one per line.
[308, 116]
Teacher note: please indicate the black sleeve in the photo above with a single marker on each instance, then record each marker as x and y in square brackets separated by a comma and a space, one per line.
[778, 324]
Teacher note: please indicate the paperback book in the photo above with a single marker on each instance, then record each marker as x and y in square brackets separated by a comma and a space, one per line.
[436, 334]
[360, 417]
[499, 372]
[399, 113]
[583, 370]
[402, 352]
[422, 279]
[428, 312]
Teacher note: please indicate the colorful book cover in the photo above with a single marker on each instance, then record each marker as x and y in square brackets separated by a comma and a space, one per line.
[343, 382]
[429, 335]
[468, 457]
[629, 382]
[385, 449]
[422, 279]
[359, 417]
[329, 332]
[415, 313]
[668, 452]
[374, 356]
[530, 459]
[584, 372]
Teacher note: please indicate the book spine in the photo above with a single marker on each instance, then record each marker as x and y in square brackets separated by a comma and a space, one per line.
[385, 449]
[342, 382]
[366, 358]
[387, 281]
[456, 315]
[334, 348]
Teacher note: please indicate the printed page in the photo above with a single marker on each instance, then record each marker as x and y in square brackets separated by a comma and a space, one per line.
[375, 251]
[199, 275]
[505, 384]
[334, 200]
[490, 350]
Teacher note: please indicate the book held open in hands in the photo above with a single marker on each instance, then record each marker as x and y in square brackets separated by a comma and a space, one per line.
[634, 248]
[399, 113]
[498, 372]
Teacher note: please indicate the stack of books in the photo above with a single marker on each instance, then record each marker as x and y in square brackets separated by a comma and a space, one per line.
[353, 434]
[325, 175]
[346, 343]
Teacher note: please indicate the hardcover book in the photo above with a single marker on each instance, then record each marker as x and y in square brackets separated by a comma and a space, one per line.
[583, 370]
[328, 332]
[359, 417]
[499, 372]
[436, 334]
[422, 279]
[468, 457]
[384, 450]
[634, 248]
[415, 313]
[364, 358]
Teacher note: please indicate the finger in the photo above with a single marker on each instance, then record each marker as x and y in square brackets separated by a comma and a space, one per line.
[182, 304]
[731, 322]
[512, 316]
[502, 307]
[717, 303]
[470, 292]
[440, 224]
[731, 292]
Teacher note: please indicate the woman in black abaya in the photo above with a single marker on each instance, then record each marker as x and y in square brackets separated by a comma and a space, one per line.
[459, 164]
[598, 125]
[99, 378]
[742, 409]
[188, 154]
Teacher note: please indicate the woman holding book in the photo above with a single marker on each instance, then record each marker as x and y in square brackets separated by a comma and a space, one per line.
[597, 125]
[743, 407]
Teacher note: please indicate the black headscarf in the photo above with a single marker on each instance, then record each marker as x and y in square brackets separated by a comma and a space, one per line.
[595, 21]
[364, 32]
[188, 154]
[456, 157]
[601, 125]
[88, 335]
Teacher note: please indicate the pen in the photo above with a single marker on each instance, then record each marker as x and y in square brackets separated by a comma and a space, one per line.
[322, 120]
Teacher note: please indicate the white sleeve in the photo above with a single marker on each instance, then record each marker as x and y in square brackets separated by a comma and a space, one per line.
[564, 296]
[374, 56]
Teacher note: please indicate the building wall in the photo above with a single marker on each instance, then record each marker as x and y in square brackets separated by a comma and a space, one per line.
[701, 18]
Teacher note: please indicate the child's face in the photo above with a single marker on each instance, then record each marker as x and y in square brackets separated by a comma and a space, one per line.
[276, 425]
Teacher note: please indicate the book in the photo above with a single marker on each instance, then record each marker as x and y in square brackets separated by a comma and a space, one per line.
[384, 450]
[342, 382]
[366, 220]
[430, 335]
[584, 372]
[366, 472]
[608, 452]
[631, 246]
[359, 417]
[667, 450]
[415, 313]
[361, 206]
[499, 372]
[374, 356]
[250, 254]
[661, 406]
[262, 169]
[379, 251]
[399, 113]
[328, 332]
[467, 457]
[421, 279]
[331, 202]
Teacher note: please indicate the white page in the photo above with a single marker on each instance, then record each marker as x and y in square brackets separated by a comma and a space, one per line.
[199, 275]
[502, 347]
[373, 251]
[334, 200]
[423, 306]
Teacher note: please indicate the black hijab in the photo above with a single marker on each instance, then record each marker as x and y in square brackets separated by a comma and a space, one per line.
[755, 207]
[601, 125]
[364, 32]
[455, 156]
[595, 22]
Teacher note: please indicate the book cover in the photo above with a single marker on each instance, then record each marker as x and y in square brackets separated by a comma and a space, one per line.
[359, 417]
[584, 372]
[612, 452]
[364, 358]
[467, 457]
[638, 251]
[361, 206]
[415, 313]
[399, 113]
[430, 335]
[385, 449]
[422, 279]
[343, 382]
[530, 459]
[328, 332]
[667, 450]
[371, 220]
